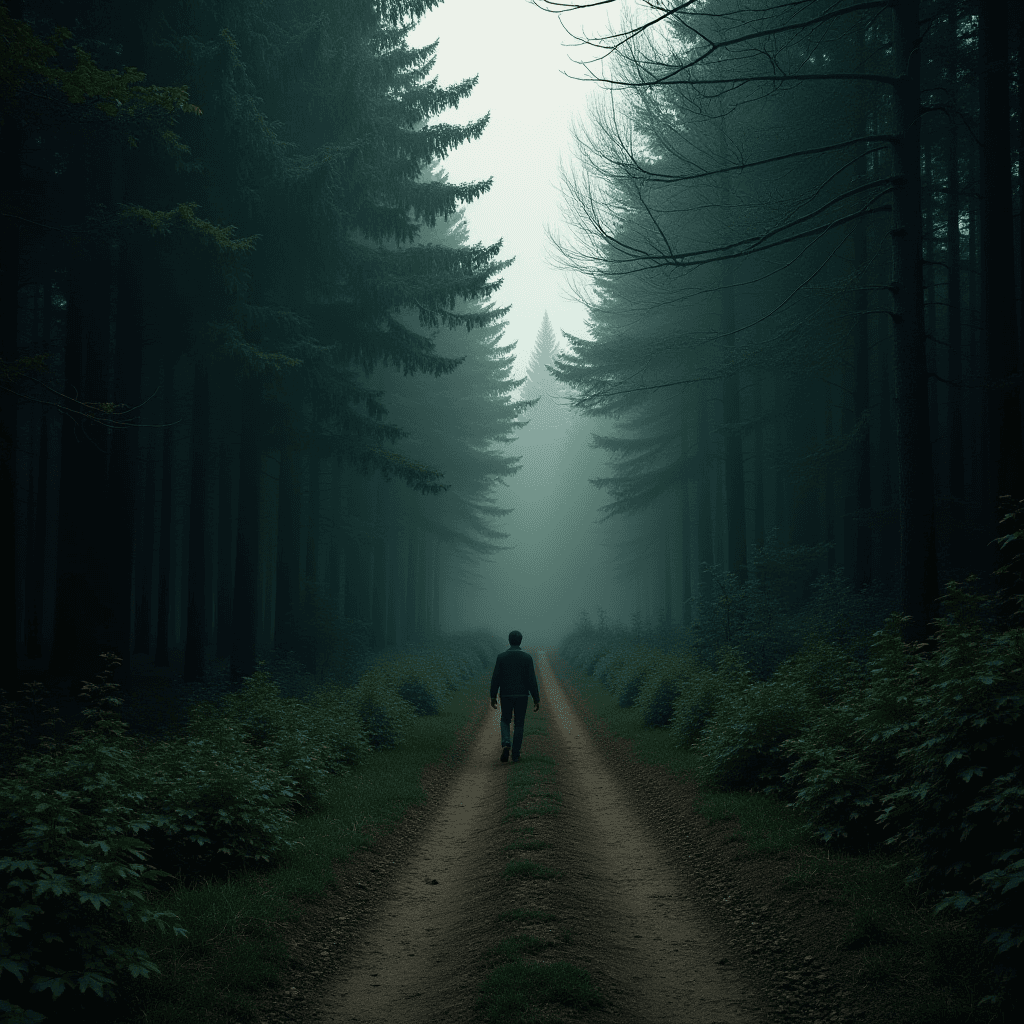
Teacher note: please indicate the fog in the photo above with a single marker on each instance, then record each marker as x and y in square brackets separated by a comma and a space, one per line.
[559, 560]
[318, 348]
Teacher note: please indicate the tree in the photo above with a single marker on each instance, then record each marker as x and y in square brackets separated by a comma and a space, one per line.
[718, 67]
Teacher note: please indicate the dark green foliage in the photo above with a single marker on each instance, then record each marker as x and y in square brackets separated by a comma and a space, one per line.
[912, 746]
[88, 828]
[841, 759]
[664, 683]
[740, 744]
[700, 698]
[217, 802]
[74, 867]
[767, 618]
[630, 677]
[959, 791]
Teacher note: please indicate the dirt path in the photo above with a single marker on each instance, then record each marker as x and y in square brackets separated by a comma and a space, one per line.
[646, 942]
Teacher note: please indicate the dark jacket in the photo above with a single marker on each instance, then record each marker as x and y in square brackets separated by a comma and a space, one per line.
[513, 674]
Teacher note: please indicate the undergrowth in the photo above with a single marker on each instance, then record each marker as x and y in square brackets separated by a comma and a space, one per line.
[875, 742]
[94, 827]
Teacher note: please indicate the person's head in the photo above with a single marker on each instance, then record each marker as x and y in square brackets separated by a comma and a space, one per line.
[515, 638]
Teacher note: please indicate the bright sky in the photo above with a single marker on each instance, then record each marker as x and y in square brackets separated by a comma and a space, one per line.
[519, 53]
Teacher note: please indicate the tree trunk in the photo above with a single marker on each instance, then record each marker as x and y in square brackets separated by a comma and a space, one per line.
[830, 487]
[720, 521]
[997, 263]
[888, 531]
[411, 585]
[861, 399]
[437, 587]
[957, 490]
[918, 567]
[285, 607]
[685, 539]
[144, 589]
[334, 555]
[735, 497]
[429, 564]
[194, 669]
[163, 599]
[80, 614]
[393, 583]
[667, 556]
[758, 468]
[37, 551]
[930, 314]
[1020, 208]
[357, 558]
[782, 526]
[124, 445]
[243, 602]
[705, 550]
[313, 524]
[10, 262]
[225, 547]
[378, 607]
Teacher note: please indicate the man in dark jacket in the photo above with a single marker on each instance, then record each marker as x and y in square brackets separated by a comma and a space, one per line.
[514, 675]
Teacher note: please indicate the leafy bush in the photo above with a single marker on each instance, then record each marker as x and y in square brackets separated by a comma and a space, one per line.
[668, 674]
[73, 868]
[847, 750]
[289, 737]
[959, 790]
[740, 746]
[705, 689]
[216, 802]
[75, 874]
[383, 714]
[633, 667]
[831, 780]
[827, 671]
[421, 680]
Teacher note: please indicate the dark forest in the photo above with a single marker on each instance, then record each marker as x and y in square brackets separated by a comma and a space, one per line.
[262, 434]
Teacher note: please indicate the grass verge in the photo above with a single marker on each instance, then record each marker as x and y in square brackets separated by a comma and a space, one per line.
[234, 949]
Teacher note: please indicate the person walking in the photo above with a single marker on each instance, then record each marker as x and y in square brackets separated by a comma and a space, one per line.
[514, 675]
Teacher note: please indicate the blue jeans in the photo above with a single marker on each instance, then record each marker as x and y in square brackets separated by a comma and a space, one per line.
[518, 706]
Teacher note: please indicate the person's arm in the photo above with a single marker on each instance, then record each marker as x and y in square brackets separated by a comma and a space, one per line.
[534, 689]
[495, 680]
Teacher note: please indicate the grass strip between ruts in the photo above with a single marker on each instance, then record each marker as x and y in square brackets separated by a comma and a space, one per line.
[519, 989]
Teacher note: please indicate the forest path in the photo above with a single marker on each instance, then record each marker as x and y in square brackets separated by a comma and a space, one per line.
[422, 955]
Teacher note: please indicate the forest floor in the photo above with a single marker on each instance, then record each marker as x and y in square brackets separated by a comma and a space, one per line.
[669, 916]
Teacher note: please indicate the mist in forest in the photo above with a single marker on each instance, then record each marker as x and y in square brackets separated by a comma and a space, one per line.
[559, 560]
[320, 343]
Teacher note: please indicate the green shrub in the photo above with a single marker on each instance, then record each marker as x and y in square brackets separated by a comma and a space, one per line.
[827, 671]
[216, 801]
[668, 674]
[422, 680]
[832, 780]
[841, 760]
[701, 695]
[958, 792]
[601, 657]
[632, 668]
[74, 868]
[383, 714]
[740, 746]
[287, 736]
